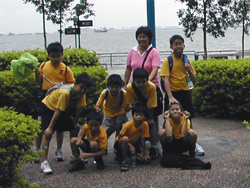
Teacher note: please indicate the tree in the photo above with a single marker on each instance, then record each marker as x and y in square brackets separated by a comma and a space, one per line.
[57, 11]
[40, 4]
[211, 15]
[241, 13]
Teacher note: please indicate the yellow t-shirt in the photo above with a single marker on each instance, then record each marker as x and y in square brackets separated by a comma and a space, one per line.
[112, 106]
[178, 75]
[177, 129]
[102, 138]
[55, 74]
[149, 94]
[133, 133]
[60, 98]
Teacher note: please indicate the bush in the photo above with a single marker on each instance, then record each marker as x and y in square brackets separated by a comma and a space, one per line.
[16, 136]
[71, 56]
[222, 88]
[25, 95]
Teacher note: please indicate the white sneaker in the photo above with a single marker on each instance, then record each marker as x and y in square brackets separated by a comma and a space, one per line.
[199, 150]
[59, 155]
[45, 168]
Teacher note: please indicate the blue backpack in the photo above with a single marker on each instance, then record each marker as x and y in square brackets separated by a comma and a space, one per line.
[107, 94]
[171, 62]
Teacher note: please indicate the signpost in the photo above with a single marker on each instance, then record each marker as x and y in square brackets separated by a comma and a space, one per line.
[85, 23]
[72, 31]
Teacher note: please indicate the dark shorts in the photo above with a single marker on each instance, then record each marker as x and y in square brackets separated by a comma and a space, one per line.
[64, 122]
[185, 99]
[85, 147]
[118, 148]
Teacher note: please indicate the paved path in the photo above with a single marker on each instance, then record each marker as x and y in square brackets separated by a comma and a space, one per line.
[227, 147]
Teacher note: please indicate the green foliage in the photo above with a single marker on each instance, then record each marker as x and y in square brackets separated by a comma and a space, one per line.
[247, 124]
[21, 183]
[16, 136]
[25, 95]
[71, 57]
[222, 88]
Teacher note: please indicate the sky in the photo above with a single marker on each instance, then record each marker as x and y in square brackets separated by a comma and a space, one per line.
[18, 17]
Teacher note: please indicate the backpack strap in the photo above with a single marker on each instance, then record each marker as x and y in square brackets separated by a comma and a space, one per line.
[107, 94]
[146, 56]
[171, 61]
[139, 94]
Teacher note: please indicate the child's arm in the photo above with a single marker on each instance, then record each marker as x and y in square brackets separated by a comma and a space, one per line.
[168, 128]
[127, 75]
[88, 155]
[190, 72]
[39, 79]
[186, 115]
[168, 90]
[100, 101]
[49, 130]
[153, 73]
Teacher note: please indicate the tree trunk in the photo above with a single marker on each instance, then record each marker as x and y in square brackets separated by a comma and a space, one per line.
[44, 30]
[243, 38]
[60, 31]
[205, 30]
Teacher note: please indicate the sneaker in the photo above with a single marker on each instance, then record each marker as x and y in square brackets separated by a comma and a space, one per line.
[153, 153]
[59, 155]
[73, 159]
[199, 150]
[99, 162]
[45, 168]
[76, 166]
[124, 166]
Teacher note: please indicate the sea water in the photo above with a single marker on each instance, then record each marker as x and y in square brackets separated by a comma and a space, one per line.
[121, 41]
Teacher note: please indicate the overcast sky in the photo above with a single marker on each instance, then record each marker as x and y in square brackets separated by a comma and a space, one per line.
[17, 17]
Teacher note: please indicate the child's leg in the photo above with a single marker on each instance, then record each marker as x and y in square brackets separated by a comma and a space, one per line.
[59, 139]
[95, 147]
[39, 136]
[118, 129]
[191, 140]
[123, 142]
[110, 131]
[74, 148]
[45, 147]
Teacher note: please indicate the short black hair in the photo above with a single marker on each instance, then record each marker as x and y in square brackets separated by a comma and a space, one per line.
[145, 30]
[174, 37]
[140, 73]
[55, 47]
[115, 79]
[93, 115]
[172, 103]
[140, 107]
[84, 79]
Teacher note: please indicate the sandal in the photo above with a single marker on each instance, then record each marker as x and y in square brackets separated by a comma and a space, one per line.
[124, 166]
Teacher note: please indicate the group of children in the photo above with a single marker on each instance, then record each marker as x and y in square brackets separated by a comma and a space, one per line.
[63, 104]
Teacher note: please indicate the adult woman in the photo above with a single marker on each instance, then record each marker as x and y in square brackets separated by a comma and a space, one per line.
[147, 57]
[137, 55]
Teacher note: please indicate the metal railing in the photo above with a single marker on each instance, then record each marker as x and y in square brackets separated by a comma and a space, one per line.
[117, 59]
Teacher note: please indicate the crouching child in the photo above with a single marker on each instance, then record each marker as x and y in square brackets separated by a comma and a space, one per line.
[132, 137]
[177, 136]
[92, 141]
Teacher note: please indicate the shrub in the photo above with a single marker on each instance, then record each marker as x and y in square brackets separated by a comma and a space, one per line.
[71, 56]
[16, 136]
[25, 95]
[222, 88]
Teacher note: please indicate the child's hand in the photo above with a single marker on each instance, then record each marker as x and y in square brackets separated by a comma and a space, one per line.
[186, 114]
[147, 157]
[48, 132]
[79, 142]
[97, 108]
[167, 114]
[84, 155]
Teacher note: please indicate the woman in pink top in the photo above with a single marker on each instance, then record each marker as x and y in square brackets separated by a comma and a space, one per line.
[137, 54]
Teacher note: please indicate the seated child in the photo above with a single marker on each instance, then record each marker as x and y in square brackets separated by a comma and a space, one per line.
[56, 114]
[145, 91]
[94, 145]
[177, 136]
[132, 137]
[113, 101]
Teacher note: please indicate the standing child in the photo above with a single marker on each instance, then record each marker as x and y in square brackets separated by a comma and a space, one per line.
[95, 145]
[51, 73]
[55, 112]
[132, 137]
[145, 91]
[113, 100]
[175, 79]
[177, 136]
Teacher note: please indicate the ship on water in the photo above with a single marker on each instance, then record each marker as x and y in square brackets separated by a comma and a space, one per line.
[104, 29]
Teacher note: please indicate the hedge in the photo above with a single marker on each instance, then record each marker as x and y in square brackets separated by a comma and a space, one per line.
[16, 136]
[71, 56]
[24, 95]
[222, 88]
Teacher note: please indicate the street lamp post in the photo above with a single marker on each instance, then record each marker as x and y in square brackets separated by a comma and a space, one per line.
[75, 19]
